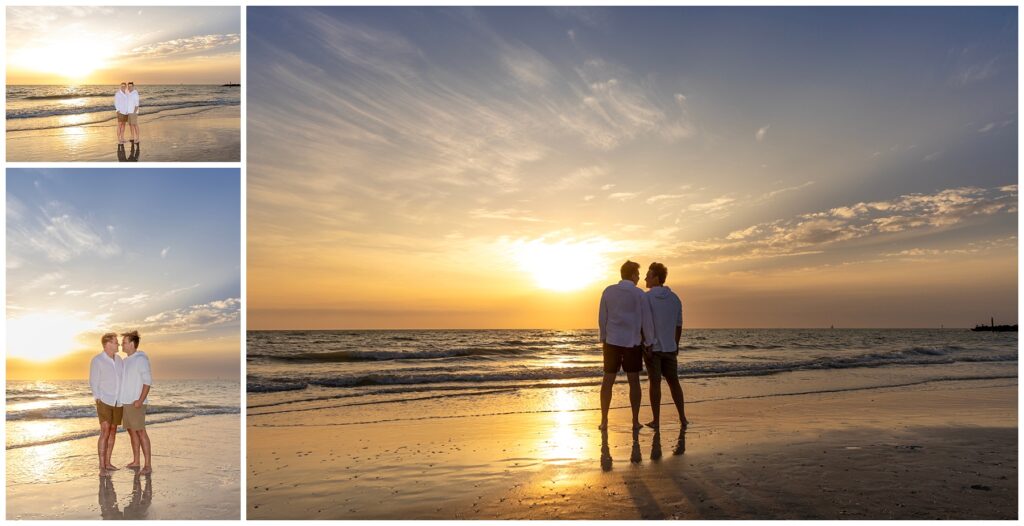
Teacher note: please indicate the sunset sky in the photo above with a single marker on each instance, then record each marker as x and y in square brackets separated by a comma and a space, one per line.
[492, 168]
[97, 250]
[106, 45]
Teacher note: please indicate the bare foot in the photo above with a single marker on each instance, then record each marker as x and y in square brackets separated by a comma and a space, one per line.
[653, 424]
[110, 467]
[685, 422]
[603, 426]
[146, 470]
[133, 465]
[637, 426]
[104, 473]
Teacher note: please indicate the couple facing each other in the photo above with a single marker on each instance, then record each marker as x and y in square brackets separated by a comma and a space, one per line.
[120, 388]
[637, 328]
[126, 102]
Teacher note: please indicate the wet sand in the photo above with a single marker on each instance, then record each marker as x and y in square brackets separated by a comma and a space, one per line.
[937, 450]
[195, 476]
[206, 134]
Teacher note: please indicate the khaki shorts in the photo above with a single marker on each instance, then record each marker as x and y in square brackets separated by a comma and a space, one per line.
[134, 419]
[109, 413]
[133, 119]
[122, 118]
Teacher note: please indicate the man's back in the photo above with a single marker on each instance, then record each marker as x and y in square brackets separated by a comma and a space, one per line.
[623, 314]
[667, 312]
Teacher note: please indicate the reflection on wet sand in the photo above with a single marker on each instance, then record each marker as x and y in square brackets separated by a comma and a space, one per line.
[635, 456]
[132, 156]
[606, 452]
[108, 500]
[136, 509]
[680, 443]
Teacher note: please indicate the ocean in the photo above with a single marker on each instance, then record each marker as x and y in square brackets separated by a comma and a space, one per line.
[460, 369]
[54, 107]
[47, 412]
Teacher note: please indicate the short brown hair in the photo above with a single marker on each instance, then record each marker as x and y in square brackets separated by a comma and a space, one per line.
[659, 270]
[133, 336]
[628, 268]
[107, 338]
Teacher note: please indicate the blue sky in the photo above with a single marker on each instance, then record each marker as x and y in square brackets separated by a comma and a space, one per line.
[763, 153]
[113, 249]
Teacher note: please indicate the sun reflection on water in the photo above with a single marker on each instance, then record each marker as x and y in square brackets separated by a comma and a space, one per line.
[565, 443]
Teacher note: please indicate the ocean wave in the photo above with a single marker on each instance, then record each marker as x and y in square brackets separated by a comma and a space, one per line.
[60, 413]
[688, 369]
[95, 432]
[64, 96]
[380, 356]
[34, 113]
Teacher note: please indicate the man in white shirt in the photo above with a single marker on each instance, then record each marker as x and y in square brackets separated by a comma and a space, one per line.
[624, 320]
[105, 375]
[662, 359]
[138, 378]
[133, 111]
[121, 106]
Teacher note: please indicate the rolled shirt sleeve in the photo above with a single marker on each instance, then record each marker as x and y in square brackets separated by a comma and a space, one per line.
[145, 372]
[94, 379]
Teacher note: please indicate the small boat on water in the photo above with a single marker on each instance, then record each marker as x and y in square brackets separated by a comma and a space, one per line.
[230, 85]
[992, 327]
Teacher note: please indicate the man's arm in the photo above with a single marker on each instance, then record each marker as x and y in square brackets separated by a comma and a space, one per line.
[646, 321]
[147, 380]
[679, 326]
[602, 318]
[94, 380]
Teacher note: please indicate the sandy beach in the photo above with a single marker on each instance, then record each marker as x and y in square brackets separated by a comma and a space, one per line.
[942, 449]
[196, 134]
[195, 476]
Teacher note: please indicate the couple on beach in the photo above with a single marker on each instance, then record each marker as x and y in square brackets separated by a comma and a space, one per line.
[120, 388]
[637, 328]
[126, 102]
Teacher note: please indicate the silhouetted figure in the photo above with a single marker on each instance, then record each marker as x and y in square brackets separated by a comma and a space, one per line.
[626, 329]
[663, 359]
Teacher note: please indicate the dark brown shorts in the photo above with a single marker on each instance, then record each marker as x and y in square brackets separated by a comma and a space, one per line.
[109, 413]
[629, 359]
[122, 117]
[662, 364]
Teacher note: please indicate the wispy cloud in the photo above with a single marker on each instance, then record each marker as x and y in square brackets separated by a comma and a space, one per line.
[761, 133]
[820, 231]
[61, 234]
[193, 318]
[182, 46]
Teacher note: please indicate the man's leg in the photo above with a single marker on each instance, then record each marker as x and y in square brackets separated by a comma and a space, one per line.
[607, 383]
[101, 444]
[635, 397]
[111, 437]
[655, 388]
[134, 435]
[147, 450]
[120, 130]
[677, 396]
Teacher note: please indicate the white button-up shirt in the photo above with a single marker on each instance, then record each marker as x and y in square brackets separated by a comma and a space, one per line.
[121, 102]
[133, 101]
[623, 314]
[668, 314]
[105, 374]
[136, 374]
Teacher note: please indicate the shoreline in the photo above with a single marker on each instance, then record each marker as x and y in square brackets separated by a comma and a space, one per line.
[196, 476]
[193, 134]
[822, 455]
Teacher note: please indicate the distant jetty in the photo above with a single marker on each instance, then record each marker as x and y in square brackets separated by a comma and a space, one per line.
[992, 327]
[230, 85]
